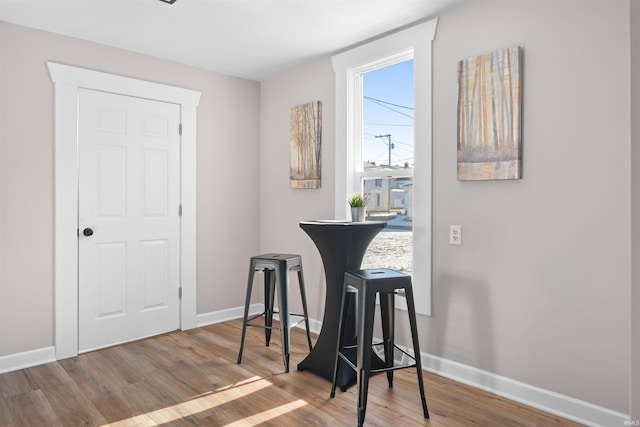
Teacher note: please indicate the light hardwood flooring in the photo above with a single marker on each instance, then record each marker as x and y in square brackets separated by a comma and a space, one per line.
[191, 378]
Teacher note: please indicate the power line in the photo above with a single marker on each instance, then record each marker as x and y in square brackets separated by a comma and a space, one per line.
[385, 104]
[403, 143]
[391, 144]
[387, 124]
[370, 98]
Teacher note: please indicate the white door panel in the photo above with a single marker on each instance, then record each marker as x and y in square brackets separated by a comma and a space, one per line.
[129, 179]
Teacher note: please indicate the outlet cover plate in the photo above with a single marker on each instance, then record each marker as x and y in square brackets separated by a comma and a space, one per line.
[455, 235]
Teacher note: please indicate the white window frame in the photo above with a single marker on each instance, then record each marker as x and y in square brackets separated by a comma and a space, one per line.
[348, 66]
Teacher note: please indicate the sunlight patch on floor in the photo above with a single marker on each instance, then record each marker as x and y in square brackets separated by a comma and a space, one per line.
[267, 415]
[207, 401]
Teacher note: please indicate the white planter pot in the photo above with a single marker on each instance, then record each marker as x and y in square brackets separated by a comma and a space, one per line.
[358, 214]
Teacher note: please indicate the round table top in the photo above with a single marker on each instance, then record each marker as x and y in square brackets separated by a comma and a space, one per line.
[340, 223]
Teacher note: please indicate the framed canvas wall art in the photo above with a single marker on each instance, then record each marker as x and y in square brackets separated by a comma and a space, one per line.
[490, 116]
[306, 145]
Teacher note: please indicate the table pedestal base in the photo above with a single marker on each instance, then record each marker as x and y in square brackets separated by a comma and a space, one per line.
[342, 246]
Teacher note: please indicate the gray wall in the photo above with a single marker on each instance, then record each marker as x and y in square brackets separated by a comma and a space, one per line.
[539, 290]
[228, 131]
[634, 306]
[281, 208]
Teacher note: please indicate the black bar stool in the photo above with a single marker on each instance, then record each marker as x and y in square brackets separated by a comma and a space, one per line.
[367, 283]
[276, 268]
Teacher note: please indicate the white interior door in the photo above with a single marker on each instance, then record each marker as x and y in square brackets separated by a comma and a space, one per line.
[128, 219]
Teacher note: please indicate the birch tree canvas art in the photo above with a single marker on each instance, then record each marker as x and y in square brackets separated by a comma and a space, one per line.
[306, 143]
[490, 116]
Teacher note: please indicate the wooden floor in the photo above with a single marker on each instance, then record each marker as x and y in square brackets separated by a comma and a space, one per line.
[191, 378]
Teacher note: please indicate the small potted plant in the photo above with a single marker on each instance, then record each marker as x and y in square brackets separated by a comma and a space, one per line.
[358, 208]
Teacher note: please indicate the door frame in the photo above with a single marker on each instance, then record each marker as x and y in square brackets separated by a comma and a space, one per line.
[67, 81]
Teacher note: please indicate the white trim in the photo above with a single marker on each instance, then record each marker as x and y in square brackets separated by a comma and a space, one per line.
[548, 401]
[220, 316]
[314, 325]
[346, 66]
[27, 359]
[67, 81]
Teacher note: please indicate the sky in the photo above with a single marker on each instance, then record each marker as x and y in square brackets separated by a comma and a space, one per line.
[388, 110]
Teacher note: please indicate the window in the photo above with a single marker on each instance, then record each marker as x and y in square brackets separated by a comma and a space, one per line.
[350, 175]
[385, 173]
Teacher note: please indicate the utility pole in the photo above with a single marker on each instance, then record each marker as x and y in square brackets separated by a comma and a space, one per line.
[389, 143]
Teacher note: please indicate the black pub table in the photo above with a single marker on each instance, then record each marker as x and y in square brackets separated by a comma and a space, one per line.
[342, 246]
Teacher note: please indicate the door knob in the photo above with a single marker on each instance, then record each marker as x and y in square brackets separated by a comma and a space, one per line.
[87, 232]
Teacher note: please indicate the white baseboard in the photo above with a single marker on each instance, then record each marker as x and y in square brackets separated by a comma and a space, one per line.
[555, 403]
[228, 314]
[314, 325]
[27, 359]
[238, 312]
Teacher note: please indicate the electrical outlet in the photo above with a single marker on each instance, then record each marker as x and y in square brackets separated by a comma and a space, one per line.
[455, 235]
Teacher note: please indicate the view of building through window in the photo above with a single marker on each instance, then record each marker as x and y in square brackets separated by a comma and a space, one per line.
[386, 175]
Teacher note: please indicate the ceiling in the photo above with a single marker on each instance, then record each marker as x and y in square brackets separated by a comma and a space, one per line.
[254, 39]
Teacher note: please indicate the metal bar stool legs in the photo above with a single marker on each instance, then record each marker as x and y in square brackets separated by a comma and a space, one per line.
[247, 304]
[416, 346]
[388, 315]
[269, 293]
[276, 268]
[366, 313]
[367, 284]
[282, 280]
[305, 311]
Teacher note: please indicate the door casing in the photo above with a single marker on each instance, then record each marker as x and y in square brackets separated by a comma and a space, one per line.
[67, 80]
